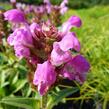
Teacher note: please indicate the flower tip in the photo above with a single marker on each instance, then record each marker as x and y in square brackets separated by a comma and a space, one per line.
[75, 21]
[13, 1]
[84, 64]
[15, 16]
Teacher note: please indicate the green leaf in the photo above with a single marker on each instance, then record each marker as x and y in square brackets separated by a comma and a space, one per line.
[19, 85]
[55, 99]
[27, 90]
[2, 79]
[13, 77]
[26, 103]
[2, 92]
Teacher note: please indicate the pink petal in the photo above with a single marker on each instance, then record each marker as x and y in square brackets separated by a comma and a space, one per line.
[73, 21]
[58, 56]
[69, 41]
[15, 16]
[44, 76]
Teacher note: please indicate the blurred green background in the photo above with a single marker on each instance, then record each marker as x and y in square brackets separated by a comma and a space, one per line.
[94, 38]
[72, 3]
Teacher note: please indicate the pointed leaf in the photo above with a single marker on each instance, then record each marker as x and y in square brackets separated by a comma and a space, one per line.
[60, 95]
[27, 103]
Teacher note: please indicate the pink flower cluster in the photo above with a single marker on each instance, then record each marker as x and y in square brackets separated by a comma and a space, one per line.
[62, 8]
[47, 7]
[49, 49]
[42, 12]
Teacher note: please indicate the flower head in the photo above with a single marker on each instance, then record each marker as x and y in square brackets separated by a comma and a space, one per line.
[48, 49]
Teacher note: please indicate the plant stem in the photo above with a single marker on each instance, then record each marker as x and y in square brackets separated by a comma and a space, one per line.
[105, 103]
[43, 102]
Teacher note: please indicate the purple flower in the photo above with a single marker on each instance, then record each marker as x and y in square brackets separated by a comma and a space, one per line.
[73, 21]
[61, 50]
[58, 56]
[48, 49]
[36, 31]
[13, 1]
[47, 6]
[21, 51]
[21, 6]
[63, 4]
[47, 1]
[21, 35]
[76, 69]
[44, 77]
[63, 7]
[22, 40]
[15, 16]
[11, 38]
[69, 41]
[63, 10]
[39, 10]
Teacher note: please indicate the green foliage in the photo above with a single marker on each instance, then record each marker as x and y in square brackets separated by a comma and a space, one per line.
[21, 102]
[78, 4]
[94, 36]
[72, 3]
[54, 99]
[5, 6]
[13, 81]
